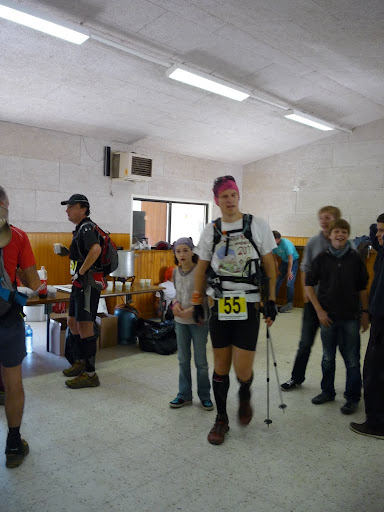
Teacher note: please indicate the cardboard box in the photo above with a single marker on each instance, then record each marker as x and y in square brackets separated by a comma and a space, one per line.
[35, 313]
[108, 330]
[57, 329]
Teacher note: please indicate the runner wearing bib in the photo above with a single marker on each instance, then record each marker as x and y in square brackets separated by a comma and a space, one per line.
[232, 268]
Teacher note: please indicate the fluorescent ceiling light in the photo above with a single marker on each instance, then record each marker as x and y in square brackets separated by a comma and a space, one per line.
[206, 82]
[294, 115]
[12, 12]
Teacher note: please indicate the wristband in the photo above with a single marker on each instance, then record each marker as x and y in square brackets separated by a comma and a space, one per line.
[197, 298]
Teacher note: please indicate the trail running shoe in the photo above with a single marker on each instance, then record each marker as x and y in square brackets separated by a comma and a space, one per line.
[83, 381]
[289, 385]
[219, 429]
[75, 370]
[15, 456]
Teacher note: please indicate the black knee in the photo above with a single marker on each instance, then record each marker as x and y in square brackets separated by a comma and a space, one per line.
[245, 388]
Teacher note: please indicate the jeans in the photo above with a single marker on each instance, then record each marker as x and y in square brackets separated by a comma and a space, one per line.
[186, 333]
[309, 326]
[344, 333]
[283, 269]
[373, 374]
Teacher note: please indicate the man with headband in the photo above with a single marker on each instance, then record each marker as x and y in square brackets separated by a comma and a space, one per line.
[231, 250]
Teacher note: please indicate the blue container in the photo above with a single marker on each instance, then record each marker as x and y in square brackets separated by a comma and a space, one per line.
[28, 339]
[127, 321]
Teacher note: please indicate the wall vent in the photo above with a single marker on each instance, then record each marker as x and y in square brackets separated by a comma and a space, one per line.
[131, 167]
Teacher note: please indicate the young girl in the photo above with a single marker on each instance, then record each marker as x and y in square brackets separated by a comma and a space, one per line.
[187, 330]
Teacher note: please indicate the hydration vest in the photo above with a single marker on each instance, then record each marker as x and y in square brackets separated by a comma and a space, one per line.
[255, 276]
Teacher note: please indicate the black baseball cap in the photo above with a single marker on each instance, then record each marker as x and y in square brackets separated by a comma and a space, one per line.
[76, 198]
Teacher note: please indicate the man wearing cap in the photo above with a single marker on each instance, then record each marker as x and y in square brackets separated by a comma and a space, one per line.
[230, 250]
[87, 283]
[16, 259]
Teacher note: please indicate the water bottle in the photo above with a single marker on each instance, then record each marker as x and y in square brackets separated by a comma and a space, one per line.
[43, 291]
[28, 339]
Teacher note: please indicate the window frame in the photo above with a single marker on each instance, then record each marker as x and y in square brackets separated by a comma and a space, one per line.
[169, 201]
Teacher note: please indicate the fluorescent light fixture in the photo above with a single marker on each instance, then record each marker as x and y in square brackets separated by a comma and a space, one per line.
[294, 115]
[26, 17]
[206, 82]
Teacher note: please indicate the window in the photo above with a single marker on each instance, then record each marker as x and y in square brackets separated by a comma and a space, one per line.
[165, 220]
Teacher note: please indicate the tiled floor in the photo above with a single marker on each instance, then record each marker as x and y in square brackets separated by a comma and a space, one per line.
[120, 447]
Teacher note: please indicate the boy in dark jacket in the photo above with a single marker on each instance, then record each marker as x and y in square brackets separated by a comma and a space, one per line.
[373, 373]
[343, 280]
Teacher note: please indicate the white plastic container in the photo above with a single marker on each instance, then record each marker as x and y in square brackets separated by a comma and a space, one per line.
[35, 313]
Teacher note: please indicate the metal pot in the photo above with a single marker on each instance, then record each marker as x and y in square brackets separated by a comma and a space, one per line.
[126, 267]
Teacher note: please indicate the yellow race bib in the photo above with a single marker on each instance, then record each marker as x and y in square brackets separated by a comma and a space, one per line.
[233, 306]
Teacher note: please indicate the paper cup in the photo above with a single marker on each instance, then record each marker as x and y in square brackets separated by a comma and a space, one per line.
[128, 285]
[110, 285]
[57, 248]
[142, 282]
[147, 282]
[118, 286]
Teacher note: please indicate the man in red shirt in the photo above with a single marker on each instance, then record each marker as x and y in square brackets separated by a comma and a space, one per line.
[18, 261]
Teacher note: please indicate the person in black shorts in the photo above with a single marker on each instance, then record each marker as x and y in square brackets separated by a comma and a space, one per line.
[87, 283]
[230, 250]
[16, 260]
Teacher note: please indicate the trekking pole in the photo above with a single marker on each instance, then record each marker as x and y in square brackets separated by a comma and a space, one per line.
[269, 341]
[268, 420]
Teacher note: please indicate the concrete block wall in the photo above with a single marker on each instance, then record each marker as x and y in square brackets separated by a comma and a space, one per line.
[345, 170]
[40, 168]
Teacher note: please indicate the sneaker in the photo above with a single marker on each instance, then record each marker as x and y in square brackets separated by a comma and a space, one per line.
[367, 430]
[75, 370]
[2, 398]
[287, 308]
[15, 456]
[207, 405]
[245, 412]
[290, 384]
[179, 402]
[349, 407]
[83, 381]
[322, 398]
[219, 429]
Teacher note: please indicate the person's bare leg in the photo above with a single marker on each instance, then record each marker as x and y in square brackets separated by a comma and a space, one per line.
[14, 395]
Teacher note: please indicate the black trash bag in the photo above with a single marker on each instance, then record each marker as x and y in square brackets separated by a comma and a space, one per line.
[159, 337]
[71, 351]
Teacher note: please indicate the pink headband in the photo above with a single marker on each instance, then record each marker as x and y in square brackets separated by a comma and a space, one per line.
[227, 184]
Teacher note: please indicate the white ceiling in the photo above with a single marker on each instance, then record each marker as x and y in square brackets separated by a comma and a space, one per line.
[324, 57]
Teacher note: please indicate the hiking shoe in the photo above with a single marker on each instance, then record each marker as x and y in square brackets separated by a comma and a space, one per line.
[2, 398]
[15, 456]
[207, 405]
[219, 429]
[75, 370]
[367, 430]
[245, 412]
[83, 381]
[349, 407]
[179, 402]
[287, 308]
[322, 398]
[290, 384]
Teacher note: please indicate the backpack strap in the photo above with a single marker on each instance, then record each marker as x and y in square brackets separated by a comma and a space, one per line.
[247, 223]
[4, 277]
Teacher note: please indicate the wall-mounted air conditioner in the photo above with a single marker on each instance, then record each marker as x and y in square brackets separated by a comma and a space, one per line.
[131, 167]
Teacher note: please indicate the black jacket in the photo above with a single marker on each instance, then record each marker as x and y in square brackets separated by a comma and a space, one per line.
[341, 280]
[376, 294]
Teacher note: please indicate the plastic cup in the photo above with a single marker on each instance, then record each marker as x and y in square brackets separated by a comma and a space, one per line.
[147, 282]
[118, 286]
[57, 248]
[128, 285]
[110, 285]
[142, 282]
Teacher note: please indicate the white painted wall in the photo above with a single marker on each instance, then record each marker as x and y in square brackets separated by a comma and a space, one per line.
[344, 170]
[39, 168]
